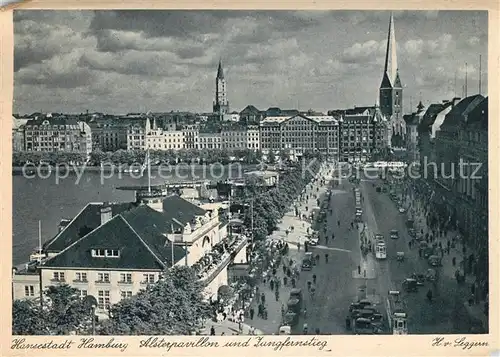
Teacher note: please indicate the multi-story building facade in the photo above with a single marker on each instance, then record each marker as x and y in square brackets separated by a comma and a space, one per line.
[112, 251]
[167, 138]
[210, 140]
[136, 136]
[299, 134]
[191, 134]
[427, 130]
[18, 134]
[391, 91]
[109, 134]
[472, 188]
[253, 137]
[412, 122]
[454, 163]
[221, 104]
[234, 137]
[362, 133]
[58, 134]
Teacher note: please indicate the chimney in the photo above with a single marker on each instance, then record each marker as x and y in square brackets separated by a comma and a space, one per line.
[455, 101]
[106, 213]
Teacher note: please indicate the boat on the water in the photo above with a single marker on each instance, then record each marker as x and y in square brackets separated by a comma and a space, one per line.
[38, 255]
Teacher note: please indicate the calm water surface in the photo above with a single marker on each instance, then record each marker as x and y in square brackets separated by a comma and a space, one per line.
[45, 200]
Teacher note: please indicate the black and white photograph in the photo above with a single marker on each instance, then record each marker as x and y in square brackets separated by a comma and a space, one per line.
[250, 172]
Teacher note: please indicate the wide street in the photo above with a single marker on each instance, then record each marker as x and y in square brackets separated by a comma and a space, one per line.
[446, 313]
[338, 281]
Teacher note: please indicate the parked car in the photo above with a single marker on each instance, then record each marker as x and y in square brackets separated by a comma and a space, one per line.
[410, 285]
[420, 278]
[313, 240]
[402, 210]
[394, 234]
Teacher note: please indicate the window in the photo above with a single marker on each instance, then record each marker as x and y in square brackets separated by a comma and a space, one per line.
[149, 278]
[29, 290]
[103, 299]
[126, 294]
[126, 278]
[98, 253]
[81, 277]
[110, 253]
[103, 277]
[58, 276]
[82, 293]
[115, 253]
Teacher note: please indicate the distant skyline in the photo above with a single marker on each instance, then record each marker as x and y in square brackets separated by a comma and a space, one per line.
[136, 61]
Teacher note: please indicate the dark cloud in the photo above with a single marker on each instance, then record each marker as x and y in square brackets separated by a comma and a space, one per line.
[67, 80]
[137, 63]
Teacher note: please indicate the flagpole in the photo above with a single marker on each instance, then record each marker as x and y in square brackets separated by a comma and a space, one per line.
[172, 243]
[39, 241]
[149, 171]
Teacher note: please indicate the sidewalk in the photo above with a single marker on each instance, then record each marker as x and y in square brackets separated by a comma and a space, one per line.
[295, 236]
[228, 328]
[476, 310]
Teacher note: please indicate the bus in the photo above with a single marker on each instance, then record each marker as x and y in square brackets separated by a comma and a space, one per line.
[380, 250]
[397, 317]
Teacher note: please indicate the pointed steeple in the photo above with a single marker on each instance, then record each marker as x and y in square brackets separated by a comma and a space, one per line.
[420, 107]
[391, 59]
[220, 72]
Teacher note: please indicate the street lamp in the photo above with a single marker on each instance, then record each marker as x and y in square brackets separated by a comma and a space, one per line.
[91, 303]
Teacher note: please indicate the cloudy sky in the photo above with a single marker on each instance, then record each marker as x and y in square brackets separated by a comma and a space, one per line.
[130, 61]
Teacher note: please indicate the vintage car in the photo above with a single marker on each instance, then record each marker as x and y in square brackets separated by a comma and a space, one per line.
[394, 234]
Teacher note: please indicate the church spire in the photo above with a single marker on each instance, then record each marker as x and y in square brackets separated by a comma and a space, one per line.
[220, 72]
[391, 58]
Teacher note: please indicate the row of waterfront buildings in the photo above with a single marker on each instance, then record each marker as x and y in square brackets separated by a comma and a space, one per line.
[351, 134]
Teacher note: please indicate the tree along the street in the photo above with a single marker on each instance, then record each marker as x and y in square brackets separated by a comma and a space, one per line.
[270, 204]
[137, 157]
[63, 312]
[172, 306]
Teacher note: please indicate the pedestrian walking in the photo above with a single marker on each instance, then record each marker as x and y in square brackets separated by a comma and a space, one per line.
[252, 312]
[338, 223]
[277, 294]
[271, 284]
[298, 246]
[293, 283]
[263, 298]
[212, 331]
[359, 270]
[285, 280]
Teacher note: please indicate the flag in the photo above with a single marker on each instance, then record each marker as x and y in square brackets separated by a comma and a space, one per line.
[145, 164]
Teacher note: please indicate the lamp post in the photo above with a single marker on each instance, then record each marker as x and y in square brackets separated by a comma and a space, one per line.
[91, 302]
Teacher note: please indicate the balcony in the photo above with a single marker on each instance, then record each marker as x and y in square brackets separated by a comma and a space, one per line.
[210, 265]
[125, 282]
[80, 281]
[103, 282]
